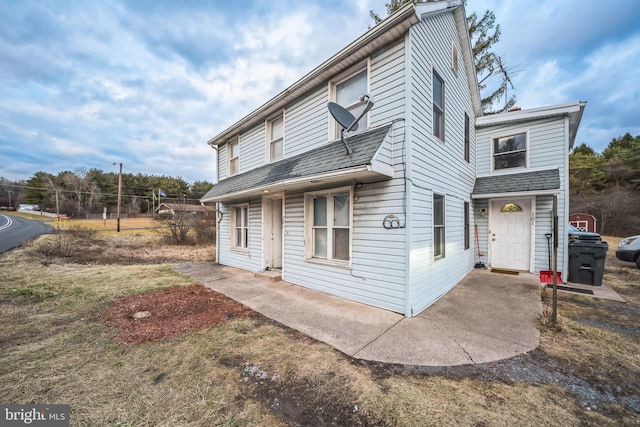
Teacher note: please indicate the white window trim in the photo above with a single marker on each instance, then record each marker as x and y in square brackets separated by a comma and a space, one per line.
[493, 137]
[268, 139]
[444, 226]
[308, 227]
[229, 143]
[334, 127]
[233, 221]
[466, 225]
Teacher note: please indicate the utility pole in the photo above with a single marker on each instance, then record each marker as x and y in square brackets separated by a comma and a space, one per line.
[119, 197]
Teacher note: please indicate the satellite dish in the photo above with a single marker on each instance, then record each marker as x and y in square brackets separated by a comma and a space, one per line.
[342, 116]
[346, 119]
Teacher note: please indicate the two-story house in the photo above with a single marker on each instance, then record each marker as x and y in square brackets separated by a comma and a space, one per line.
[390, 216]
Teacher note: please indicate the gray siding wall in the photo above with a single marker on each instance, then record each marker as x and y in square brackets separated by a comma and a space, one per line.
[378, 273]
[222, 161]
[436, 166]
[251, 260]
[252, 148]
[306, 122]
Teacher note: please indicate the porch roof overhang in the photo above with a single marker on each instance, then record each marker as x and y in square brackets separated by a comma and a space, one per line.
[529, 183]
[327, 164]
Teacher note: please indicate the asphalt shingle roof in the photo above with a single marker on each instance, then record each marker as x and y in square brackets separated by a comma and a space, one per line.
[518, 182]
[327, 158]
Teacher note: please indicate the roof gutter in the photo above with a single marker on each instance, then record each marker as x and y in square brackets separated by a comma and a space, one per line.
[515, 194]
[281, 185]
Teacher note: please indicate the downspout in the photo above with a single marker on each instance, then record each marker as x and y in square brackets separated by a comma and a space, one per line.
[219, 220]
[406, 149]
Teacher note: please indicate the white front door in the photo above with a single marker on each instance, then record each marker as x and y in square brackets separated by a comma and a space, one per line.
[272, 232]
[510, 233]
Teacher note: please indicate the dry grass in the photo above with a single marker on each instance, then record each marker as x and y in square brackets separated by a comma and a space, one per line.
[109, 226]
[250, 371]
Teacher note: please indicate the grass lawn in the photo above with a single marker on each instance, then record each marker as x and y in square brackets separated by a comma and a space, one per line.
[248, 370]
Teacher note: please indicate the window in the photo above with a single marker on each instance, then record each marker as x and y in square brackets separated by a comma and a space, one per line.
[467, 228]
[275, 134]
[233, 151]
[438, 106]
[467, 130]
[328, 225]
[240, 227]
[510, 151]
[438, 226]
[348, 93]
[510, 207]
[454, 58]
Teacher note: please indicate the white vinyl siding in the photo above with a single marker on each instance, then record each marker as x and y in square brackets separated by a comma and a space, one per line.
[251, 259]
[222, 161]
[435, 167]
[307, 124]
[377, 273]
[387, 81]
[252, 151]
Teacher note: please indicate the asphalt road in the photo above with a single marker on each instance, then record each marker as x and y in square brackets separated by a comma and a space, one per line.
[15, 230]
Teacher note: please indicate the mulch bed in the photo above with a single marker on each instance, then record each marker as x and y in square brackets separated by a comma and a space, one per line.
[169, 312]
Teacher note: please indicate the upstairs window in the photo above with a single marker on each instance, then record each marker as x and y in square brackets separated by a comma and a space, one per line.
[438, 106]
[233, 151]
[240, 227]
[454, 58]
[348, 93]
[510, 152]
[467, 130]
[275, 138]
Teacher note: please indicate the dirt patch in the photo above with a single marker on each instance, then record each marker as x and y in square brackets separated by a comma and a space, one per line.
[159, 315]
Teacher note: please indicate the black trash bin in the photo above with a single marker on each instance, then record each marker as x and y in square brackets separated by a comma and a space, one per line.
[586, 261]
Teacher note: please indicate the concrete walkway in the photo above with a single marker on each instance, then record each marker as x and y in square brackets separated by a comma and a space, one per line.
[486, 317]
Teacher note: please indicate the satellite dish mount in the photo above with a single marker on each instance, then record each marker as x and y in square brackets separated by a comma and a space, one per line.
[347, 120]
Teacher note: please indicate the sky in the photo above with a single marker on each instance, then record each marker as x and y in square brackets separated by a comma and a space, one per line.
[146, 83]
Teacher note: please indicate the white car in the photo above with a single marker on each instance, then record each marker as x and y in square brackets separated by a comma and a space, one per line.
[629, 250]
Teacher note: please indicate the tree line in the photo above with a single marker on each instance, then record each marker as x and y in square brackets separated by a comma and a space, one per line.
[83, 191]
[607, 185]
